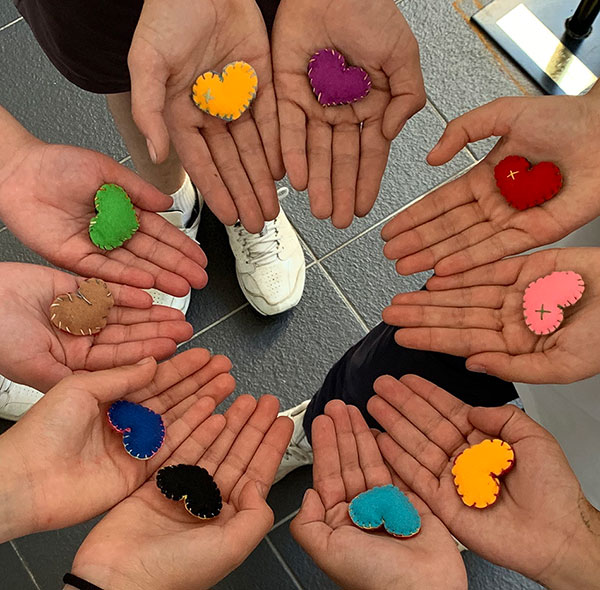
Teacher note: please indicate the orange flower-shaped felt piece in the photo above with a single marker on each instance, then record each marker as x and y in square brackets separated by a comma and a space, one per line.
[477, 469]
[226, 95]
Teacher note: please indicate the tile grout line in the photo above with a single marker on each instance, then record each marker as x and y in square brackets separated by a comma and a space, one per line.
[283, 564]
[25, 566]
[215, 323]
[284, 520]
[10, 24]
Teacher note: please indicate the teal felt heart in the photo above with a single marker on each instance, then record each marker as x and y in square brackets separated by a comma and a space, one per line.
[387, 506]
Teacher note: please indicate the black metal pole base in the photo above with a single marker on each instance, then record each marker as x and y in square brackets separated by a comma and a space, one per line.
[534, 33]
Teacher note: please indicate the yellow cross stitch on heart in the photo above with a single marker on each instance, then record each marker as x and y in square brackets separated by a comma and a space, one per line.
[226, 95]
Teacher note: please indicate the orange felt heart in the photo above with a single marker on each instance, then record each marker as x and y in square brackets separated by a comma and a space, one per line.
[226, 95]
[477, 469]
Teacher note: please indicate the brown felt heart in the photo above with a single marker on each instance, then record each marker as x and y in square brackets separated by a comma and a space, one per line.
[85, 311]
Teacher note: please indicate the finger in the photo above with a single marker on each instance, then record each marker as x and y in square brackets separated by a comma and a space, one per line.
[508, 423]
[267, 458]
[408, 436]
[179, 331]
[501, 273]
[456, 341]
[264, 112]
[254, 161]
[105, 356]
[483, 297]
[126, 316]
[148, 89]
[237, 416]
[447, 225]
[128, 297]
[319, 145]
[293, 143]
[238, 458]
[113, 384]
[437, 203]
[248, 527]
[374, 152]
[352, 475]
[157, 227]
[327, 472]
[197, 160]
[371, 462]
[226, 157]
[119, 272]
[309, 528]
[344, 172]
[494, 118]
[539, 367]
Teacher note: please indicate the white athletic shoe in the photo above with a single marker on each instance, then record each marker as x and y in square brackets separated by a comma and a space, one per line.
[175, 218]
[16, 399]
[269, 265]
[299, 451]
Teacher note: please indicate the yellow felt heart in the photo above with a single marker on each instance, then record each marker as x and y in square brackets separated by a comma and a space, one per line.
[226, 95]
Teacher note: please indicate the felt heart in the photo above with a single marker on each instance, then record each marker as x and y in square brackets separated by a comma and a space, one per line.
[226, 95]
[116, 221]
[333, 82]
[143, 430]
[524, 186]
[84, 312]
[192, 484]
[385, 506]
[477, 469]
[545, 298]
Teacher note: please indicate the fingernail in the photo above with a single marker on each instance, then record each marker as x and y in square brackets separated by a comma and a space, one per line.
[151, 151]
[146, 361]
[476, 369]
[263, 490]
[305, 497]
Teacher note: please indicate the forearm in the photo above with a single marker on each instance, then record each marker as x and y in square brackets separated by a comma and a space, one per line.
[15, 138]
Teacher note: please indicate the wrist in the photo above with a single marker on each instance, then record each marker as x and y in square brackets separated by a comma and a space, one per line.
[579, 564]
[16, 141]
[104, 577]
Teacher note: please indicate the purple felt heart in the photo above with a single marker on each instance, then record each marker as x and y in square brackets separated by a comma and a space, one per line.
[332, 82]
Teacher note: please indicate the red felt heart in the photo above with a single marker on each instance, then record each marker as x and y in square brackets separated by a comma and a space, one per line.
[524, 186]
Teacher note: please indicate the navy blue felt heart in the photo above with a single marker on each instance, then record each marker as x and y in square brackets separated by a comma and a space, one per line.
[387, 506]
[143, 430]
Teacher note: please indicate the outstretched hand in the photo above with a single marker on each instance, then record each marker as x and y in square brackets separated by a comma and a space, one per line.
[232, 164]
[148, 541]
[347, 462]
[341, 152]
[537, 524]
[467, 222]
[47, 200]
[479, 314]
[35, 352]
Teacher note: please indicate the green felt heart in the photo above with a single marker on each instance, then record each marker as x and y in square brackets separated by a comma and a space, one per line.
[116, 221]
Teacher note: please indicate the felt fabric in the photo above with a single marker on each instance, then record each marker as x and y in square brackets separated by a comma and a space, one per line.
[385, 506]
[143, 430]
[524, 186]
[192, 484]
[84, 312]
[545, 298]
[228, 94]
[116, 221]
[477, 469]
[333, 82]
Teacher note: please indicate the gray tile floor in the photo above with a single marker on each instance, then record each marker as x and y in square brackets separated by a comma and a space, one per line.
[348, 279]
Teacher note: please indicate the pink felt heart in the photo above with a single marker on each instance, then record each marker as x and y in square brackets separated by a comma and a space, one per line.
[332, 82]
[545, 298]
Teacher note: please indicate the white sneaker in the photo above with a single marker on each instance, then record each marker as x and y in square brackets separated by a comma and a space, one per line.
[299, 451]
[16, 399]
[269, 265]
[175, 218]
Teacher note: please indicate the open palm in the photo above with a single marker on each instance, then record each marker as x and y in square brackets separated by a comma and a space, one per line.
[341, 152]
[47, 201]
[540, 506]
[467, 222]
[347, 462]
[232, 164]
[39, 354]
[148, 541]
[80, 464]
[479, 315]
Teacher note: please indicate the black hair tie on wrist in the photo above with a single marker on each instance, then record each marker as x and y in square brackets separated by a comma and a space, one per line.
[79, 583]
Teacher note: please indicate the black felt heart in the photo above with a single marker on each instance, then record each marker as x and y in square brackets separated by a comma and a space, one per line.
[192, 484]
